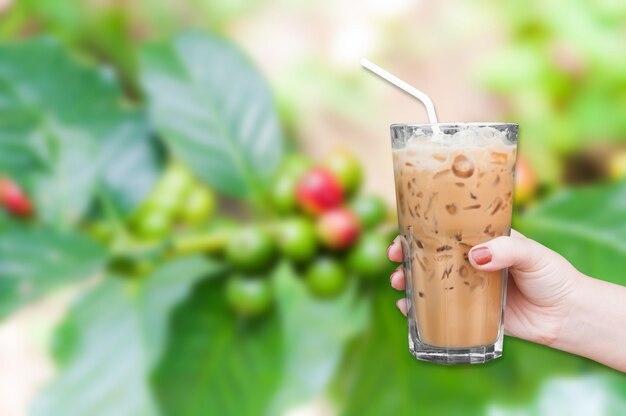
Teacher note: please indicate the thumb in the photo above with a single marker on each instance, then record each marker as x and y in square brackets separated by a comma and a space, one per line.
[518, 252]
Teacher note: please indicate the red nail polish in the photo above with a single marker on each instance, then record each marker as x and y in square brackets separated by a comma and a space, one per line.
[481, 255]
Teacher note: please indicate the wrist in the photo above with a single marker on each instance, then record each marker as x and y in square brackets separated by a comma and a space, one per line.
[567, 333]
[595, 326]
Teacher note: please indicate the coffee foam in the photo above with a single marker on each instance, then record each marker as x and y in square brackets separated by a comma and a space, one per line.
[470, 136]
[431, 150]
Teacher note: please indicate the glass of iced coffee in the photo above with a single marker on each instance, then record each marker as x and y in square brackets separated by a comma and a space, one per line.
[454, 185]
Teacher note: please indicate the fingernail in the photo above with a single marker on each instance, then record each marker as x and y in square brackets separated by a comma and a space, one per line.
[393, 278]
[402, 306]
[481, 255]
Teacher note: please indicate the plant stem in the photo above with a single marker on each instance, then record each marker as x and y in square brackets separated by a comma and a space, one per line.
[260, 202]
[204, 243]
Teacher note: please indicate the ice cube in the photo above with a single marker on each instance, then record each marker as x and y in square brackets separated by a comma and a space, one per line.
[499, 158]
[417, 139]
[462, 167]
[442, 138]
[491, 135]
[468, 136]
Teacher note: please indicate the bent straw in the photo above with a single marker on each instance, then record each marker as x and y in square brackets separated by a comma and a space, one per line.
[425, 99]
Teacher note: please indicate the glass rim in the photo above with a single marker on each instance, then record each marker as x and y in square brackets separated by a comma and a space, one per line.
[457, 124]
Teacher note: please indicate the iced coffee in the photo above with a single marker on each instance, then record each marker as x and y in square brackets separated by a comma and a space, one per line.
[454, 188]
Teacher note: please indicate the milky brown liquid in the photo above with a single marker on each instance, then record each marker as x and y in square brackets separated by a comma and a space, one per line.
[450, 199]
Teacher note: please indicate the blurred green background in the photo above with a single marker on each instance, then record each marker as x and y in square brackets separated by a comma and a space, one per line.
[154, 255]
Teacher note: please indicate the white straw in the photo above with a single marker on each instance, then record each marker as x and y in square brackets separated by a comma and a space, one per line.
[425, 99]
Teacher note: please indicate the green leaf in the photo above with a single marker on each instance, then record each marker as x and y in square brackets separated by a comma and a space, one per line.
[34, 262]
[214, 111]
[64, 190]
[111, 340]
[100, 30]
[219, 364]
[130, 165]
[65, 128]
[20, 148]
[315, 333]
[586, 226]
[216, 363]
[380, 376]
[584, 395]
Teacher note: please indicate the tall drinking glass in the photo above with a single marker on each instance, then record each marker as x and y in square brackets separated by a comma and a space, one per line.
[454, 189]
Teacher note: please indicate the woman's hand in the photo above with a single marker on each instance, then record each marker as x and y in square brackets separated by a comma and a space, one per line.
[538, 294]
[548, 300]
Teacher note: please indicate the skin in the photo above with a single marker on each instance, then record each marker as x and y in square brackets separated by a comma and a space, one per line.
[548, 300]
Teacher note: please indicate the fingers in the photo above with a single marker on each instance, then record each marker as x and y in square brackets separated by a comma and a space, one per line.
[517, 234]
[517, 252]
[401, 304]
[397, 279]
[394, 251]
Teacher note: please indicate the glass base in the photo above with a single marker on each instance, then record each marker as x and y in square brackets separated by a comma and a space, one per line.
[452, 356]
